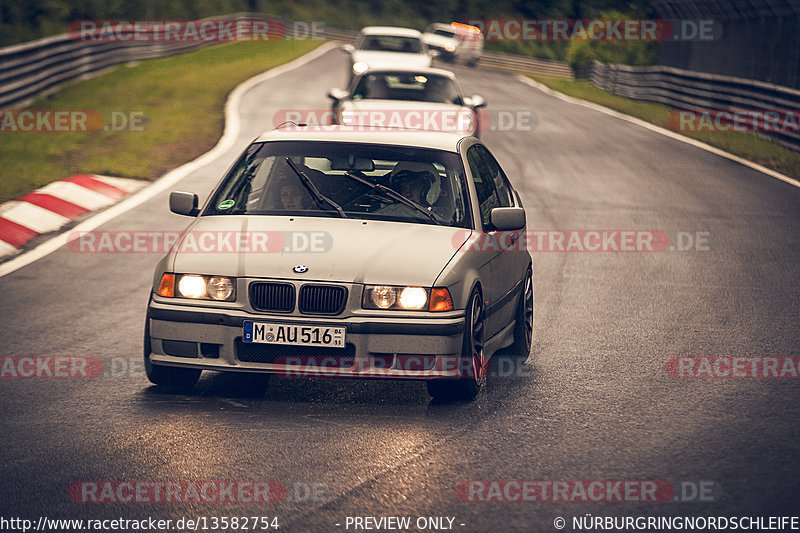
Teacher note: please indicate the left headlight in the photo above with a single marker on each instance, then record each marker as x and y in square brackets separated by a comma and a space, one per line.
[198, 287]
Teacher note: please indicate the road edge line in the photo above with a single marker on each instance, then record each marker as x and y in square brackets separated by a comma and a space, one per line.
[171, 178]
[658, 129]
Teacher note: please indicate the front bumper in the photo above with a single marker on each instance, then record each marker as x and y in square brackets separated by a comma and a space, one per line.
[386, 347]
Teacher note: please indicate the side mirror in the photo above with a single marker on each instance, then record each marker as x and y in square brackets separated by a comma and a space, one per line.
[477, 101]
[337, 94]
[508, 218]
[183, 203]
[349, 48]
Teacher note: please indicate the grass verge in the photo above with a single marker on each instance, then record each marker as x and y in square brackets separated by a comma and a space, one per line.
[747, 145]
[176, 104]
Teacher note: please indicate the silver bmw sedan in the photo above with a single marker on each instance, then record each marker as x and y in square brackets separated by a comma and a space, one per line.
[331, 251]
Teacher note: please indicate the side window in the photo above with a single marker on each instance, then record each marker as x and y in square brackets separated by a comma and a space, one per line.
[484, 184]
[504, 194]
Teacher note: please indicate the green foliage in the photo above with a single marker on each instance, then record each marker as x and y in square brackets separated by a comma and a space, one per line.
[580, 52]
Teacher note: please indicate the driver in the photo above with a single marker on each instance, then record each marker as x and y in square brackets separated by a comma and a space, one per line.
[293, 196]
[287, 193]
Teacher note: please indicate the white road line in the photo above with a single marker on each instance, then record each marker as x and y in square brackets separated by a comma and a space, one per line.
[652, 127]
[74, 193]
[228, 139]
[37, 218]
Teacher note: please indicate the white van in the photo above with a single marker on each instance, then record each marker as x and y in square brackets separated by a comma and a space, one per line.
[455, 41]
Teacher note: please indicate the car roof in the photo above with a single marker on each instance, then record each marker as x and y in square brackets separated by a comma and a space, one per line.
[438, 140]
[416, 70]
[442, 26]
[390, 30]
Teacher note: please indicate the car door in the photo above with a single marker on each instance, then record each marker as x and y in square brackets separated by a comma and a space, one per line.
[490, 264]
[512, 260]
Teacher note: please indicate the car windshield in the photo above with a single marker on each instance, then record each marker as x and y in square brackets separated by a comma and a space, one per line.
[407, 86]
[392, 43]
[445, 33]
[354, 176]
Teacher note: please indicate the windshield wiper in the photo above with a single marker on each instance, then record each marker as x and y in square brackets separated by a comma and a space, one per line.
[318, 197]
[395, 195]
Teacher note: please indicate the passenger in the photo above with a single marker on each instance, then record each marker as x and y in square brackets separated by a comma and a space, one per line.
[414, 185]
[415, 180]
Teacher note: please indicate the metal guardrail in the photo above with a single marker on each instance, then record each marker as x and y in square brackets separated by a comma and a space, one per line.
[498, 61]
[43, 66]
[47, 65]
[711, 93]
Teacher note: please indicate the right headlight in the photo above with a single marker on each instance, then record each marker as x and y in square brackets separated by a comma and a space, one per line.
[406, 298]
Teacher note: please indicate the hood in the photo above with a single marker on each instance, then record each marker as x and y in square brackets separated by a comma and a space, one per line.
[333, 249]
[409, 114]
[391, 59]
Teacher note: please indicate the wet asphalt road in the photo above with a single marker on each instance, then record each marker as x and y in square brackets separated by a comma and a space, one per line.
[594, 402]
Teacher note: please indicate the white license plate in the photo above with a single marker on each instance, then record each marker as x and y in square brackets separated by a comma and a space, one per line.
[294, 334]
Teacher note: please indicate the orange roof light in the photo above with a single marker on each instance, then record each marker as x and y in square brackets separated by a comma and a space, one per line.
[461, 25]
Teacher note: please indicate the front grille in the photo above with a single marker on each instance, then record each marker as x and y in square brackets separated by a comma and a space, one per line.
[276, 297]
[322, 299]
[281, 354]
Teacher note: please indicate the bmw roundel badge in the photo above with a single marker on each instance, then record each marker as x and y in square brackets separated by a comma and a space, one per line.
[300, 269]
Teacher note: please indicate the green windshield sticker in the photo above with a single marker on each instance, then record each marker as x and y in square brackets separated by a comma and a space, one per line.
[226, 204]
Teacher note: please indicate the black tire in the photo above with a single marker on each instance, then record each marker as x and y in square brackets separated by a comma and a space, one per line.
[167, 376]
[473, 369]
[524, 319]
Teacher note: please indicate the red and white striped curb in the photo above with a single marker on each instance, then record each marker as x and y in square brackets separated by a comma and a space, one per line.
[56, 204]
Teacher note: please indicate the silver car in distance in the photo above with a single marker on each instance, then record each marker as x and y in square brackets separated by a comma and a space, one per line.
[387, 46]
[329, 251]
[428, 98]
